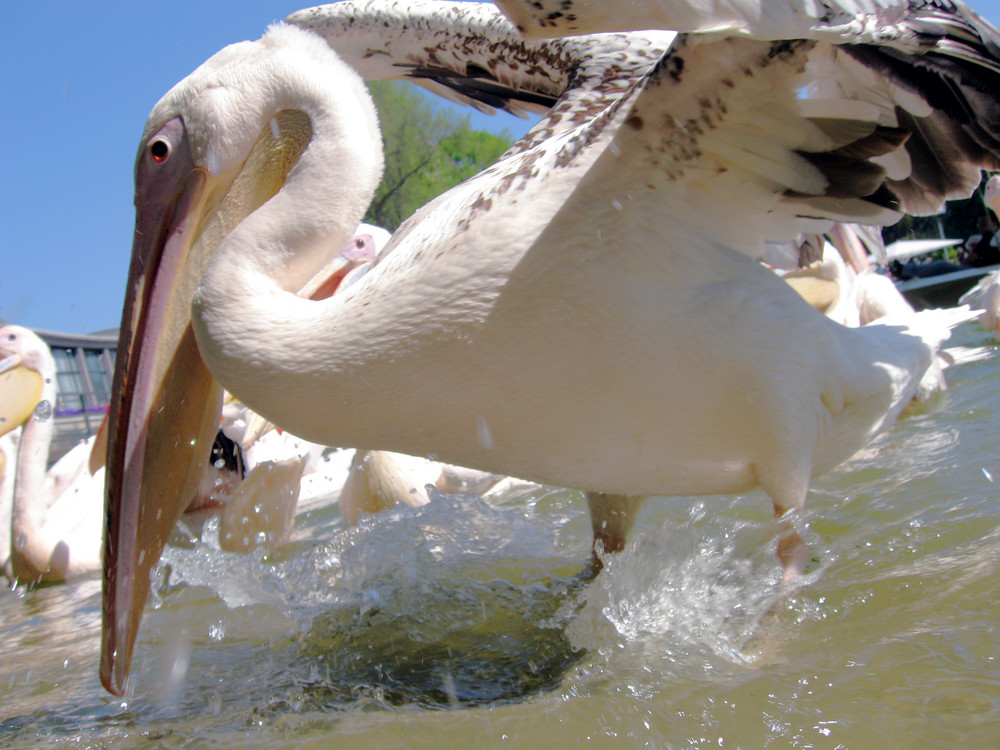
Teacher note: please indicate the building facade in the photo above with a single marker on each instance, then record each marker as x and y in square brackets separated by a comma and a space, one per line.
[85, 366]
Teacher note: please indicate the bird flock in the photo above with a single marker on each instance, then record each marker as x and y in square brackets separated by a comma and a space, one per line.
[662, 289]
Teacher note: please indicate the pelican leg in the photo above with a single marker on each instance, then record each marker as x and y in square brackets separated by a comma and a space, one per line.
[611, 518]
[793, 554]
[787, 483]
[792, 550]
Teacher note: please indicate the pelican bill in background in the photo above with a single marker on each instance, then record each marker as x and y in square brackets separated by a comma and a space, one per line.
[579, 314]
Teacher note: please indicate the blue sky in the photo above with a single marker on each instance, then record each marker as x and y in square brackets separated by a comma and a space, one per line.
[78, 81]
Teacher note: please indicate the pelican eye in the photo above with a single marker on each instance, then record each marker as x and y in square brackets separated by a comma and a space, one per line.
[159, 150]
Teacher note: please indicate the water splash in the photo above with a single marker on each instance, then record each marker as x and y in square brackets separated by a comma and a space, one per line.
[694, 594]
[453, 603]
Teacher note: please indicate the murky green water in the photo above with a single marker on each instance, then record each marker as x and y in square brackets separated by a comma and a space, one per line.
[461, 625]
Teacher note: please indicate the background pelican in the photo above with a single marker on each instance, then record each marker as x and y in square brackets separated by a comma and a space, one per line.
[579, 314]
[361, 482]
[56, 515]
[985, 295]
[8, 458]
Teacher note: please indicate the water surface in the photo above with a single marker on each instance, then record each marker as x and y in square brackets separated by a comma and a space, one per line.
[462, 624]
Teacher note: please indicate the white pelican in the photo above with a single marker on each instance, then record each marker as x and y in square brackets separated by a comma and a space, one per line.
[586, 313]
[360, 481]
[8, 456]
[378, 480]
[365, 482]
[56, 515]
[985, 295]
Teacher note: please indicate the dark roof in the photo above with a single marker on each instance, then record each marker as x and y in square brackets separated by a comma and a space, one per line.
[101, 340]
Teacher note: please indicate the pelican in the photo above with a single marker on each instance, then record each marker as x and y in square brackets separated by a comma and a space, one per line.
[56, 515]
[360, 481]
[8, 454]
[985, 295]
[588, 312]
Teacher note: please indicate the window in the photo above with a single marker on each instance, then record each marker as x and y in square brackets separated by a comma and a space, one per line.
[99, 377]
[69, 381]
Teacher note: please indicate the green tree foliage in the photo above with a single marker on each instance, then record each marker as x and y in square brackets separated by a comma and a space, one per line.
[427, 151]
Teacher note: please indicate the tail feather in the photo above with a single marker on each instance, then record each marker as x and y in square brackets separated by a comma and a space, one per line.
[934, 327]
[964, 355]
[893, 363]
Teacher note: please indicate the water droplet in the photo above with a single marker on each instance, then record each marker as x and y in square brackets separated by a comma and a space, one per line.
[214, 166]
[43, 412]
[483, 433]
[449, 690]
[220, 464]
[20, 542]
[217, 631]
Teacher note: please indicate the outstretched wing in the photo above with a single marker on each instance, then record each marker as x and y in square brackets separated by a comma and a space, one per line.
[937, 60]
[927, 23]
[721, 136]
[471, 54]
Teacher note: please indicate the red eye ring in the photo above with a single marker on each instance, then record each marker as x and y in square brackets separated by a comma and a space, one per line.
[159, 150]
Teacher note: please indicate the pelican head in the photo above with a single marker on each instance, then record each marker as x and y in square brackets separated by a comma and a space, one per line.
[236, 135]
